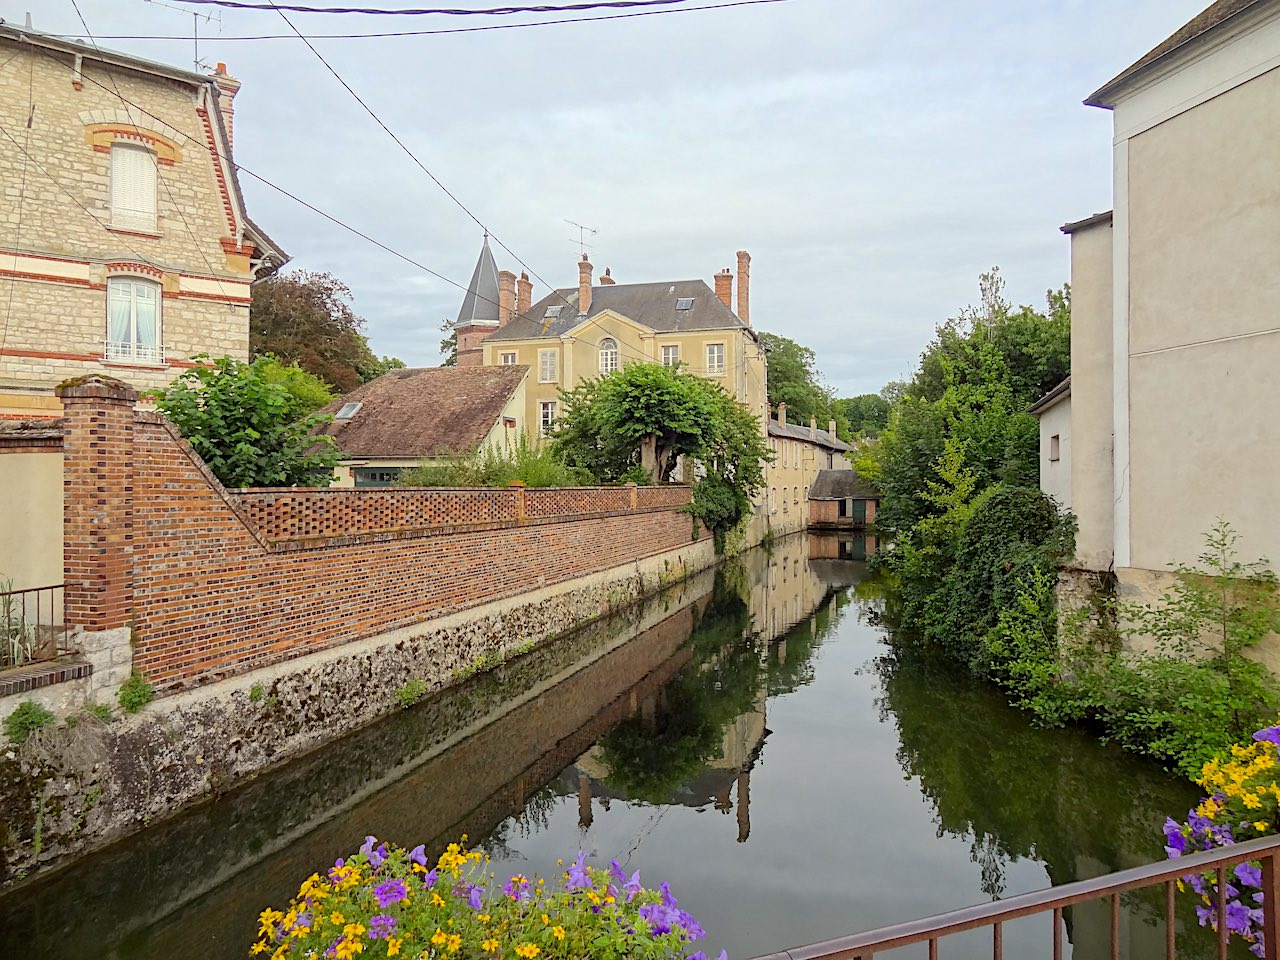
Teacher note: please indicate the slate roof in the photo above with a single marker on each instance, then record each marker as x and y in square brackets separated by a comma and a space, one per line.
[1206, 20]
[1053, 396]
[424, 411]
[480, 305]
[841, 485]
[650, 304]
[793, 431]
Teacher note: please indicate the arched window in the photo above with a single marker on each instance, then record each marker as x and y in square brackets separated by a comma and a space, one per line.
[608, 355]
[133, 320]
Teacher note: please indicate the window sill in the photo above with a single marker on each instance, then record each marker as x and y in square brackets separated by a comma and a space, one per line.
[135, 364]
[134, 232]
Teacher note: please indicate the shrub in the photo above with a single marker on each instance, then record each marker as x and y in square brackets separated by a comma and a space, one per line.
[384, 902]
[101, 711]
[529, 462]
[26, 720]
[135, 693]
[256, 692]
[414, 690]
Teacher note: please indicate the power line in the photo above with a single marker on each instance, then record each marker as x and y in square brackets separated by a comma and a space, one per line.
[438, 32]
[434, 11]
[22, 197]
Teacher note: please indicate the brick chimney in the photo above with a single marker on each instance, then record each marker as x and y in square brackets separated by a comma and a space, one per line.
[506, 296]
[744, 287]
[813, 426]
[228, 87]
[524, 293]
[584, 285]
[782, 413]
[724, 287]
[607, 278]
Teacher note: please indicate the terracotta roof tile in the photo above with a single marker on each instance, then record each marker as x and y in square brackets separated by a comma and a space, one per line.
[423, 412]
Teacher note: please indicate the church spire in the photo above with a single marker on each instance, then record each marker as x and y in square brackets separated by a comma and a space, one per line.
[480, 305]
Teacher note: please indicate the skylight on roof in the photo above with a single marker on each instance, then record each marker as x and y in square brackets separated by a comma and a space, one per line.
[684, 303]
[552, 312]
[348, 411]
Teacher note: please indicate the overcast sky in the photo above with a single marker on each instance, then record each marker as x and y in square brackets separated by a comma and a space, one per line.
[872, 157]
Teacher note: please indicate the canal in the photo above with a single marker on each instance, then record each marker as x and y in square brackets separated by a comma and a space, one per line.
[750, 736]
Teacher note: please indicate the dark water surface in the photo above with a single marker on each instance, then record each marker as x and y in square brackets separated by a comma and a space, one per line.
[748, 736]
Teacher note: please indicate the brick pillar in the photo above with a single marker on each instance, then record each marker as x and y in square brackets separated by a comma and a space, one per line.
[97, 504]
[744, 287]
[506, 296]
[724, 287]
[524, 294]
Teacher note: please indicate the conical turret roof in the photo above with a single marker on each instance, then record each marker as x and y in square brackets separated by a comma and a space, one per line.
[480, 305]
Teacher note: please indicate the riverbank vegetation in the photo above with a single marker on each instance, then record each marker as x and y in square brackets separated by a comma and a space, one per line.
[979, 547]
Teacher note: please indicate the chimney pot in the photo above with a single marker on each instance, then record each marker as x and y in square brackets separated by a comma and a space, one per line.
[782, 413]
[724, 287]
[607, 279]
[524, 293]
[584, 285]
[744, 287]
[813, 426]
[506, 297]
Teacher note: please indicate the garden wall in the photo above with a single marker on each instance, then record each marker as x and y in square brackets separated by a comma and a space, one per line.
[214, 583]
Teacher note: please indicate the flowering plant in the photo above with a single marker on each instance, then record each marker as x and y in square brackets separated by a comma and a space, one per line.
[1243, 803]
[389, 902]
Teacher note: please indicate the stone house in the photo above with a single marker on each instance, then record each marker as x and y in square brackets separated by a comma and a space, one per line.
[800, 454]
[1175, 338]
[1054, 412]
[407, 416]
[127, 249]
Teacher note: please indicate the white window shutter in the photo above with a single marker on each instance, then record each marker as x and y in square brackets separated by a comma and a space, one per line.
[133, 188]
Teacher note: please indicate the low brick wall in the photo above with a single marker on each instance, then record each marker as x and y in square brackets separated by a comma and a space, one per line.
[215, 583]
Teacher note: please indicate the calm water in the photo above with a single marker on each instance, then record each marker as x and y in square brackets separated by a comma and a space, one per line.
[749, 736]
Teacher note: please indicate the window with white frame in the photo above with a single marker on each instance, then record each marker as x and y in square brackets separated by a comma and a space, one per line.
[715, 358]
[133, 320]
[133, 187]
[670, 354]
[548, 366]
[508, 359]
[608, 355]
[547, 415]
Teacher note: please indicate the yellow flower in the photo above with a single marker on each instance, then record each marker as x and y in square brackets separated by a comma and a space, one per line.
[282, 952]
[337, 918]
[259, 947]
[437, 899]
[489, 945]
[346, 949]
[527, 950]
[482, 917]
[455, 941]
[545, 920]
[593, 897]
[393, 947]
[267, 921]
[439, 938]
[1250, 801]
[559, 932]
[1261, 826]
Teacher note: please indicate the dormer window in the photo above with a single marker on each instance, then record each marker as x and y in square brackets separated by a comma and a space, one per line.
[684, 303]
[133, 188]
[608, 355]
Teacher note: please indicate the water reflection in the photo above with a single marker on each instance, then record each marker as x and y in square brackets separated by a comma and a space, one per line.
[748, 736]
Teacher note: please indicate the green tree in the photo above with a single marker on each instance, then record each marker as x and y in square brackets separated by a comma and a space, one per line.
[306, 319]
[248, 426]
[309, 391]
[794, 380]
[449, 343]
[867, 414]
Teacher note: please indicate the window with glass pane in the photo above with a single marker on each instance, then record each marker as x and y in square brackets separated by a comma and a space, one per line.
[133, 188]
[608, 355]
[508, 359]
[671, 354]
[133, 320]
[547, 411]
[547, 367]
[715, 358]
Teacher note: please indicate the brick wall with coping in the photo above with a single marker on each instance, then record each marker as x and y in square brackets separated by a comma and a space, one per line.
[216, 583]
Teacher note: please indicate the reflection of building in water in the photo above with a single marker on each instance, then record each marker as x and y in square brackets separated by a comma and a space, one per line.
[660, 754]
[854, 545]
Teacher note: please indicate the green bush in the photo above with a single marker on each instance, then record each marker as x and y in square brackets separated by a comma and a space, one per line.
[413, 690]
[529, 462]
[26, 720]
[135, 693]
[101, 711]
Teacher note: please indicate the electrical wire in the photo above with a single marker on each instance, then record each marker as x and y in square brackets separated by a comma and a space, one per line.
[22, 197]
[436, 11]
[428, 33]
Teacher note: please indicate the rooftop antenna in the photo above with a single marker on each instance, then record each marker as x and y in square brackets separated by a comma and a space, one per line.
[583, 230]
[196, 17]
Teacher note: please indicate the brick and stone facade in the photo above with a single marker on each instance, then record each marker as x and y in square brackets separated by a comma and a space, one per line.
[69, 107]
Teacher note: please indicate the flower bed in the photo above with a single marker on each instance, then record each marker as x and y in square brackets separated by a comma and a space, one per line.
[1243, 803]
[389, 902]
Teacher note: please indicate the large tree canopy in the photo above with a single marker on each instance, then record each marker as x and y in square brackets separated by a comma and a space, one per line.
[307, 319]
[794, 380]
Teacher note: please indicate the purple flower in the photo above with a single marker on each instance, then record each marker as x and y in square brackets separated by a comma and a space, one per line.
[1249, 875]
[1268, 734]
[659, 917]
[579, 879]
[429, 880]
[375, 856]
[1238, 919]
[389, 892]
[474, 899]
[1258, 950]
[381, 926]
[633, 887]
[419, 855]
[1205, 915]
[517, 888]
[1177, 843]
[303, 922]
[615, 871]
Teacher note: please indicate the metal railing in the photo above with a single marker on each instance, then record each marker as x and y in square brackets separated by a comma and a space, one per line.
[993, 916]
[129, 351]
[32, 626]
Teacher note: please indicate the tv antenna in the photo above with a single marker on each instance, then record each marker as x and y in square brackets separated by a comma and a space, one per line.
[583, 230]
[196, 17]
